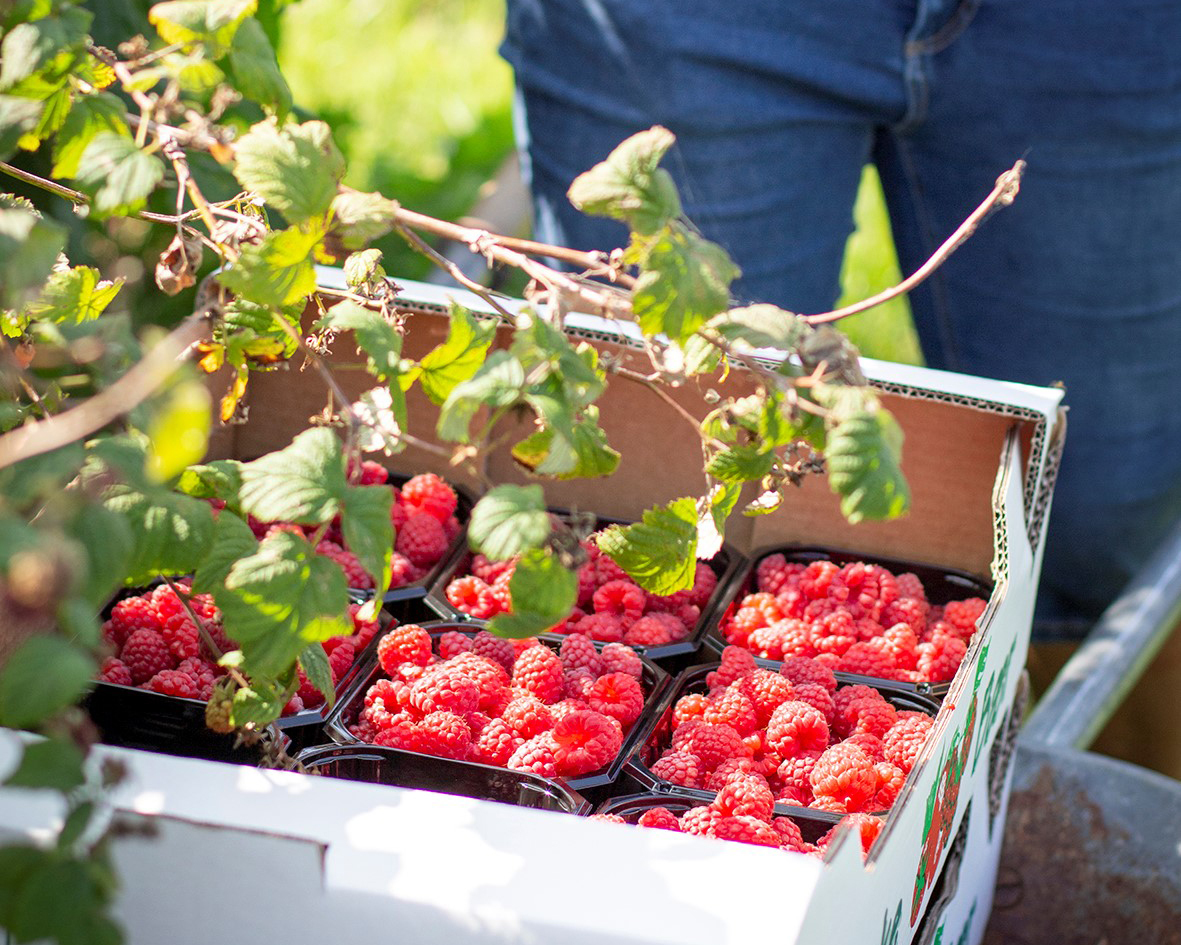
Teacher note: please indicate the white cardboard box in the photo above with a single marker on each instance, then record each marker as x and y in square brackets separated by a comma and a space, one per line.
[242, 854]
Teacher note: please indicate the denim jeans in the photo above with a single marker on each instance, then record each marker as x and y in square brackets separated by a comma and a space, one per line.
[778, 104]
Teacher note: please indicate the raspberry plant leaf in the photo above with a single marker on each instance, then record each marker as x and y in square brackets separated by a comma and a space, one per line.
[233, 540]
[278, 271]
[219, 479]
[368, 532]
[497, 384]
[117, 174]
[314, 662]
[29, 47]
[36, 912]
[864, 454]
[43, 676]
[90, 115]
[211, 23]
[255, 71]
[759, 326]
[712, 514]
[458, 358]
[18, 116]
[543, 592]
[582, 453]
[53, 763]
[660, 551]
[630, 185]
[24, 482]
[29, 246]
[509, 520]
[740, 463]
[358, 217]
[74, 295]
[375, 336]
[279, 599]
[108, 541]
[295, 168]
[257, 705]
[178, 431]
[171, 532]
[302, 483]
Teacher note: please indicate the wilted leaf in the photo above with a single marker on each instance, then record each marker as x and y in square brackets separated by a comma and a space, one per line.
[176, 269]
[382, 414]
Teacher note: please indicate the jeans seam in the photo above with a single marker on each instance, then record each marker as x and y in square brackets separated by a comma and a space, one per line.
[947, 33]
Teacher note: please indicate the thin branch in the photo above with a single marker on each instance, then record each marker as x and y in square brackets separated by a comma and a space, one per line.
[1002, 195]
[58, 190]
[137, 385]
[454, 271]
[638, 378]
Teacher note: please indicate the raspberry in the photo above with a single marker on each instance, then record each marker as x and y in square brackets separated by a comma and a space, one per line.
[539, 671]
[528, 716]
[400, 732]
[619, 696]
[745, 829]
[678, 767]
[690, 706]
[172, 682]
[370, 473]
[501, 593]
[790, 837]
[939, 659]
[204, 674]
[865, 826]
[736, 662]
[444, 689]
[115, 671]
[963, 615]
[869, 658]
[578, 683]
[801, 670]
[655, 630]
[738, 627]
[496, 743]
[767, 690]
[497, 649]
[871, 589]
[904, 644]
[702, 821]
[355, 575]
[713, 744]
[845, 774]
[784, 639]
[606, 628]
[578, 652]
[422, 540]
[472, 596]
[608, 818]
[408, 643]
[624, 599]
[905, 738]
[890, 781]
[746, 794]
[705, 582]
[490, 678]
[429, 494]
[909, 611]
[308, 694]
[731, 768]
[217, 712]
[584, 741]
[620, 658]
[131, 614]
[862, 709]
[536, 755]
[733, 707]
[146, 653]
[796, 771]
[340, 660]
[606, 570]
[797, 727]
[660, 818]
[870, 744]
[444, 734]
[775, 574]
[816, 580]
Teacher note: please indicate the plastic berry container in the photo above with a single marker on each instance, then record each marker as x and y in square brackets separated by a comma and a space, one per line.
[657, 733]
[376, 764]
[940, 585]
[339, 722]
[133, 717]
[727, 565]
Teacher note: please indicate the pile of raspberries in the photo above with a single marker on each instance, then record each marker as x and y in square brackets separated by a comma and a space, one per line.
[856, 618]
[811, 744]
[424, 519]
[744, 812]
[158, 647]
[611, 607]
[517, 704]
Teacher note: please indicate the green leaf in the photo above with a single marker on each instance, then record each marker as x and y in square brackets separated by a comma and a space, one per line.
[179, 429]
[116, 174]
[864, 454]
[302, 483]
[582, 453]
[90, 115]
[543, 593]
[277, 272]
[509, 520]
[53, 763]
[360, 217]
[363, 270]
[38, 913]
[232, 541]
[629, 185]
[17, 864]
[77, 619]
[548, 355]
[29, 247]
[315, 665]
[374, 335]
[685, 281]
[108, 541]
[196, 74]
[211, 22]
[497, 384]
[368, 531]
[281, 598]
[660, 551]
[701, 357]
[458, 358]
[759, 326]
[711, 522]
[171, 532]
[73, 296]
[76, 823]
[220, 479]
[296, 169]
[17, 117]
[44, 675]
[257, 706]
[740, 463]
[28, 47]
[38, 477]
[257, 75]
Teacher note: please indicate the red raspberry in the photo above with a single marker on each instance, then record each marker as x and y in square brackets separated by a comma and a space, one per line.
[784, 639]
[430, 494]
[767, 690]
[293, 707]
[796, 771]
[690, 706]
[340, 660]
[370, 473]
[804, 670]
[909, 611]
[732, 767]
[660, 818]
[619, 696]
[862, 709]
[578, 683]
[172, 682]
[733, 707]
[408, 643]
[679, 767]
[736, 663]
[496, 743]
[204, 673]
[744, 829]
[816, 580]
[309, 695]
[606, 570]
[775, 574]
[422, 540]
[905, 738]
[608, 818]
[444, 734]
[131, 614]
[865, 826]
[472, 596]
[115, 671]
[797, 727]
[845, 774]
[655, 630]
[606, 628]
[890, 781]
[452, 643]
[870, 658]
[528, 716]
[790, 837]
[713, 744]
[490, 678]
[939, 659]
[444, 689]
[910, 586]
[746, 794]
[702, 821]
[355, 575]
[738, 627]
[497, 649]
[620, 658]
[536, 755]
[870, 744]
[871, 589]
[584, 741]
[577, 651]
[818, 697]
[400, 732]
[485, 568]
[539, 671]
[146, 653]
[624, 599]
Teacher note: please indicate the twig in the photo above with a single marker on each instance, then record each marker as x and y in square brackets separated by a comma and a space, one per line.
[58, 190]
[134, 387]
[1002, 195]
[638, 378]
[454, 271]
